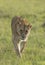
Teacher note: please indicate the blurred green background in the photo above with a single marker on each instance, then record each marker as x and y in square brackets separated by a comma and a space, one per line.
[34, 12]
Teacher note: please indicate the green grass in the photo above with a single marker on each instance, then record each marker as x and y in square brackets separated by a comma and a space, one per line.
[34, 12]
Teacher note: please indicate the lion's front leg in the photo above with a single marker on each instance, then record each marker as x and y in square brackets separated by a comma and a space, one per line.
[22, 46]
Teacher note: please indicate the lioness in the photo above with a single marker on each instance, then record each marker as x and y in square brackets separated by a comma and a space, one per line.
[20, 32]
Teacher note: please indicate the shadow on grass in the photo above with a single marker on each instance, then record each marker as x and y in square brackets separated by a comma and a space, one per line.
[4, 14]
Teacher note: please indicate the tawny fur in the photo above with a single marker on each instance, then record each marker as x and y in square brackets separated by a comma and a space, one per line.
[20, 33]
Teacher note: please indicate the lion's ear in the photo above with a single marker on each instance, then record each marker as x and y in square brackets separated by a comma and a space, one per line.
[29, 25]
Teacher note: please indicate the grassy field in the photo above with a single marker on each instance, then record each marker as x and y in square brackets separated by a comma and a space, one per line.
[34, 12]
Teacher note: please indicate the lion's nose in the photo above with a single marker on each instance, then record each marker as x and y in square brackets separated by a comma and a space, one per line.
[23, 36]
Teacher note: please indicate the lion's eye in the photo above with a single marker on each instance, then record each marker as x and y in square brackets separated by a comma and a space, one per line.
[21, 30]
[26, 31]
[18, 22]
